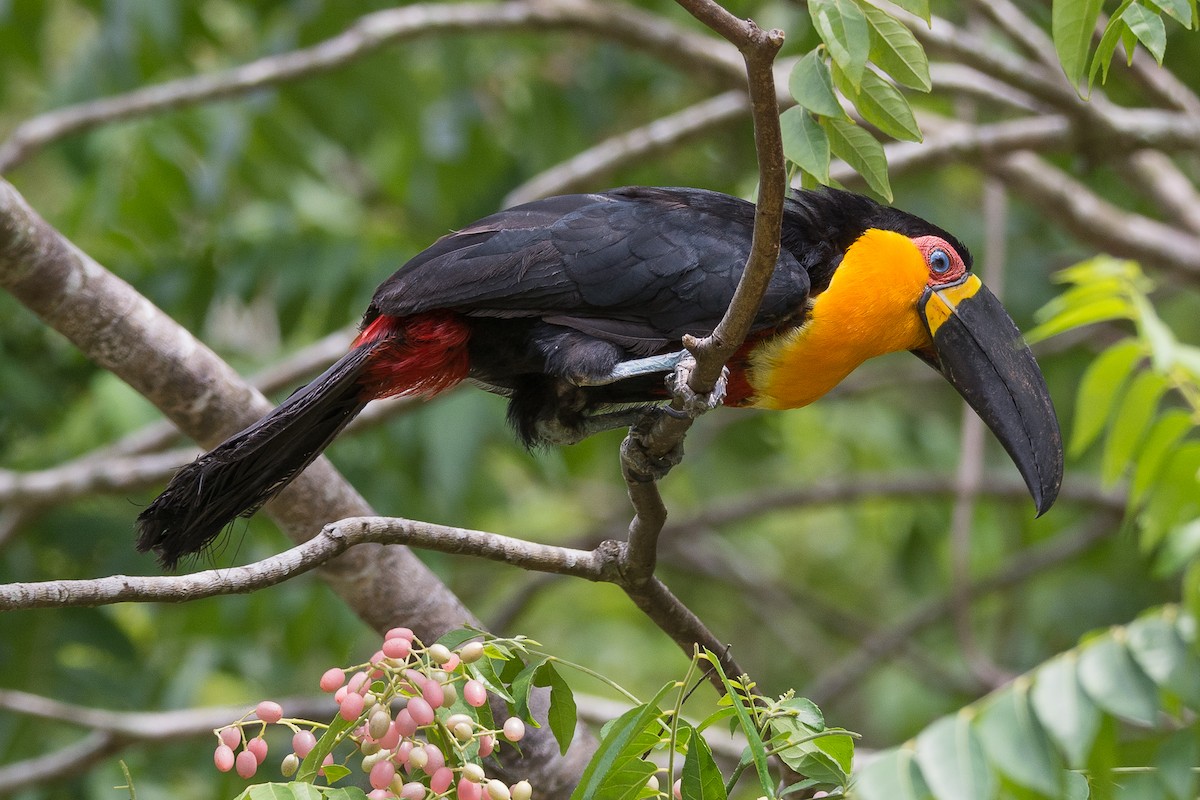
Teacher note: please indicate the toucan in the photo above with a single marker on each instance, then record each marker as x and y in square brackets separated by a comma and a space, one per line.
[575, 307]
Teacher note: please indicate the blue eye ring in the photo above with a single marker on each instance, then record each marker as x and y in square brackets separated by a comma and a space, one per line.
[940, 261]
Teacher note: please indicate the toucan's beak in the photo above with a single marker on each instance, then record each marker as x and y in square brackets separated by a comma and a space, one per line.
[978, 348]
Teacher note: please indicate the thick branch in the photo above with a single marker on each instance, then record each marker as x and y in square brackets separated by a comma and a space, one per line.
[1092, 219]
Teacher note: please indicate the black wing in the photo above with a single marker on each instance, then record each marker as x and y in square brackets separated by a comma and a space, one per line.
[636, 266]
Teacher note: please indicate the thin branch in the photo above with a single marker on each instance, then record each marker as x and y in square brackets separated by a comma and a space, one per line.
[631, 26]
[114, 731]
[849, 672]
[665, 432]
[66, 762]
[969, 478]
[588, 167]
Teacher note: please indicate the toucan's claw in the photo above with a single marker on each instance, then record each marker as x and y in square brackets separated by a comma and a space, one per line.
[694, 404]
[638, 462]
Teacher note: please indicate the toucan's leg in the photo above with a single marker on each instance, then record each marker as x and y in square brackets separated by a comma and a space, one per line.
[553, 430]
[666, 362]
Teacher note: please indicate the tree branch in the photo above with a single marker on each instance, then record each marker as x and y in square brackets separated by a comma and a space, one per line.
[631, 26]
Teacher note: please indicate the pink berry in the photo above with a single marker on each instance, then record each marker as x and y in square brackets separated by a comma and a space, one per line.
[413, 791]
[269, 712]
[382, 774]
[452, 663]
[433, 694]
[223, 758]
[390, 739]
[332, 679]
[358, 682]
[325, 763]
[303, 742]
[379, 794]
[487, 743]
[403, 751]
[469, 791]
[441, 780]
[474, 693]
[340, 694]
[246, 764]
[259, 748]
[397, 648]
[514, 729]
[352, 707]
[405, 723]
[399, 633]
[231, 737]
[420, 711]
[435, 759]
[677, 790]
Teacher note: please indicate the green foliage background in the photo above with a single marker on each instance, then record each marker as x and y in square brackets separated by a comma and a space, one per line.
[264, 223]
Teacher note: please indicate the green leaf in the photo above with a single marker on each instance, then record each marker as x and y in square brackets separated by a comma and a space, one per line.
[563, 714]
[1175, 760]
[1072, 23]
[701, 778]
[1149, 28]
[1099, 389]
[1156, 334]
[1168, 429]
[1179, 10]
[758, 752]
[895, 50]
[456, 637]
[1067, 714]
[891, 776]
[1114, 681]
[1016, 743]
[859, 149]
[336, 731]
[843, 28]
[614, 764]
[1130, 423]
[881, 104]
[1100, 309]
[805, 143]
[522, 687]
[1108, 44]
[299, 791]
[335, 772]
[952, 759]
[917, 7]
[1162, 654]
[811, 84]
[484, 671]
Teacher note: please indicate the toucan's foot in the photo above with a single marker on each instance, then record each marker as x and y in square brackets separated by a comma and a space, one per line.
[694, 404]
[558, 432]
[639, 462]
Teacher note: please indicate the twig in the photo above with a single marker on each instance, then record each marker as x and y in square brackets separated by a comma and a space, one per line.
[666, 431]
[588, 167]
[623, 23]
[968, 481]
[113, 731]
[845, 674]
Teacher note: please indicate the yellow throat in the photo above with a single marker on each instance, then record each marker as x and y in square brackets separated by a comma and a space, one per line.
[869, 308]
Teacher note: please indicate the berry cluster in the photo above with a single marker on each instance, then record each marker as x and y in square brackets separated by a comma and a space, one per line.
[421, 724]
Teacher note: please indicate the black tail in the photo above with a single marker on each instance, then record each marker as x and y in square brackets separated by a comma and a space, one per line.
[248, 469]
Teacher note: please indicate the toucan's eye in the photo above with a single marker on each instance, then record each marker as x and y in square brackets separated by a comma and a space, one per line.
[939, 261]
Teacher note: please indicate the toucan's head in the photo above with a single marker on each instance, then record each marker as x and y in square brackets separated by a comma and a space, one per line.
[908, 286]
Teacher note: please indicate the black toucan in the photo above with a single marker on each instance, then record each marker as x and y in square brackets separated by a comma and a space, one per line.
[574, 307]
